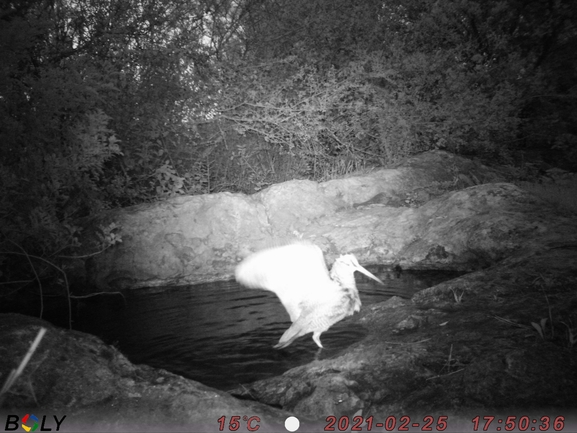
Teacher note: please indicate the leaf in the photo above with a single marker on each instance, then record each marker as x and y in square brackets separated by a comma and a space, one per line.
[538, 328]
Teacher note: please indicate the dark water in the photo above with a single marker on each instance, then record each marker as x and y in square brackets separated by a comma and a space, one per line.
[222, 334]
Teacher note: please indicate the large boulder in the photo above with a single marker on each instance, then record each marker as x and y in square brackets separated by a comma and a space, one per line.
[76, 375]
[436, 210]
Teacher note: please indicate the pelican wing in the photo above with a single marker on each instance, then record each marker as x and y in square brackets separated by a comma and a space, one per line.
[296, 273]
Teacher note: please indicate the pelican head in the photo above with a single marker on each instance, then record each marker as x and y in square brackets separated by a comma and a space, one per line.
[314, 298]
[344, 268]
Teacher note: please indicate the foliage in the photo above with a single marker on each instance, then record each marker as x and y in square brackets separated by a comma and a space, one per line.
[91, 104]
[109, 103]
[470, 62]
[331, 113]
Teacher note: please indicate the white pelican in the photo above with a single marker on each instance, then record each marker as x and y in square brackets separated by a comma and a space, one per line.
[314, 298]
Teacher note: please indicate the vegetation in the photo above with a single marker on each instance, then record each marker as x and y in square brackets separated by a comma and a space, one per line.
[560, 192]
[108, 103]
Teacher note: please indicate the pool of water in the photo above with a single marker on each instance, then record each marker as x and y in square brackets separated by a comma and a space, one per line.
[222, 334]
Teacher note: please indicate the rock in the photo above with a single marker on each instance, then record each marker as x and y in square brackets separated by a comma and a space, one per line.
[414, 215]
[465, 355]
[98, 389]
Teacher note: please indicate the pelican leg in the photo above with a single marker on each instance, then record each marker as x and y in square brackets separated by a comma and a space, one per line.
[317, 338]
[318, 354]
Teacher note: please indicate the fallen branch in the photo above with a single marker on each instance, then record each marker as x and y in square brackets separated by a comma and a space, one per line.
[15, 374]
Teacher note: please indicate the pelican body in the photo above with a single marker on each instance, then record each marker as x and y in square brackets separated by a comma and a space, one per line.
[314, 298]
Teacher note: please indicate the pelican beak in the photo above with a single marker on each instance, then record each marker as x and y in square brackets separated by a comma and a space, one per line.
[368, 274]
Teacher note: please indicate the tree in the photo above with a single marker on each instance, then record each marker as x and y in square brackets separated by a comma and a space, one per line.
[93, 98]
[407, 76]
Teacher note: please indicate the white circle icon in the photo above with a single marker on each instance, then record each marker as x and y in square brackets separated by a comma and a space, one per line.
[292, 423]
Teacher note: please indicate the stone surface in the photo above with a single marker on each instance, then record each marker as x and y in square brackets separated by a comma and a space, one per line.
[98, 389]
[433, 211]
[462, 348]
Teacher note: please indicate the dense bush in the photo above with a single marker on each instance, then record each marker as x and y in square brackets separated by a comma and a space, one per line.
[378, 108]
[89, 102]
[313, 101]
